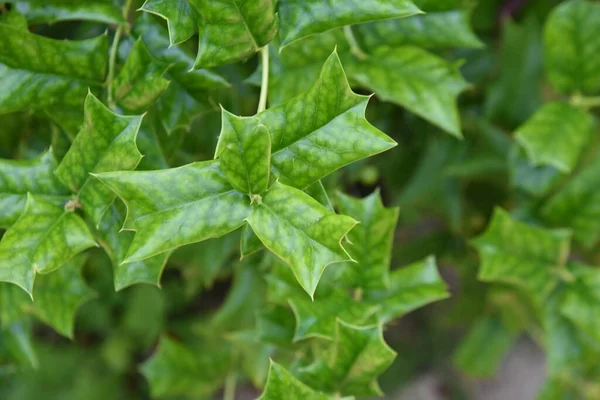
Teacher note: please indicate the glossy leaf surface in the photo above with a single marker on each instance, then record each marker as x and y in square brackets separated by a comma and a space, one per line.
[48, 12]
[180, 17]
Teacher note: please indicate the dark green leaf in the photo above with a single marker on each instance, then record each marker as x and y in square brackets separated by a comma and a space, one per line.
[50, 11]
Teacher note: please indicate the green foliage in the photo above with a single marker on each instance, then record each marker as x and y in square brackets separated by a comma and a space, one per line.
[196, 196]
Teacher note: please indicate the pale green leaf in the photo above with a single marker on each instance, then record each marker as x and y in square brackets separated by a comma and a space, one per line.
[370, 242]
[571, 43]
[44, 237]
[282, 385]
[301, 18]
[416, 79]
[140, 82]
[308, 144]
[581, 302]
[449, 28]
[18, 177]
[354, 362]
[106, 142]
[410, 288]
[36, 71]
[172, 207]
[577, 205]
[244, 150]
[556, 135]
[232, 30]
[51, 11]
[180, 17]
[300, 231]
[526, 256]
[116, 243]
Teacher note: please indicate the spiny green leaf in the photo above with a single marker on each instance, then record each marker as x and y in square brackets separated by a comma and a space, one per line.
[321, 130]
[556, 135]
[301, 232]
[43, 238]
[106, 142]
[301, 18]
[358, 356]
[140, 82]
[244, 149]
[51, 11]
[370, 242]
[59, 73]
[527, 256]
[571, 42]
[231, 30]
[410, 287]
[432, 30]
[173, 207]
[282, 385]
[18, 177]
[416, 79]
[577, 205]
[116, 243]
[581, 301]
[276, 325]
[318, 318]
[178, 370]
[180, 17]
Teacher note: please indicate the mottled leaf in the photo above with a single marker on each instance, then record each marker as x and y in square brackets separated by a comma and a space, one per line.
[244, 150]
[370, 242]
[106, 142]
[140, 82]
[282, 385]
[51, 11]
[556, 135]
[301, 18]
[300, 231]
[172, 207]
[413, 78]
[44, 237]
[231, 30]
[36, 71]
[571, 42]
[526, 256]
[180, 17]
[351, 367]
[308, 144]
[18, 177]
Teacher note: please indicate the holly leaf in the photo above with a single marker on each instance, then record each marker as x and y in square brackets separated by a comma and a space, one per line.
[17, 339]
[556, 135]
[416, 79]
[441, 29]
[249, 242]
[526, 256]
[179, 370]
[318, 318]
[308, 145]
[232, 30]
[116, 242]
[282, 385]
[106, 142]
[180, 17]
[355, 360]
[140, 82]
[370, 242]
[49, 12]
[18, 177]
[43, 239]
[60, 73]
[581, 301]
[300, 231]
[299, 19]
[172, 207]
[410, 288]
[244, 149]
[575, 205]
[571, 41]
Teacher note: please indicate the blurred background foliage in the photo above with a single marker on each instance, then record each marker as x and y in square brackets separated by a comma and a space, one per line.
[446, 189]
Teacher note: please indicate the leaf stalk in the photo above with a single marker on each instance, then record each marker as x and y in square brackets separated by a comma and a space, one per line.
[264, 84]
[113, 52]
[354, 46]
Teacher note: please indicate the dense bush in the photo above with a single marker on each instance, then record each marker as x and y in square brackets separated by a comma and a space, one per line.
[225, 142]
